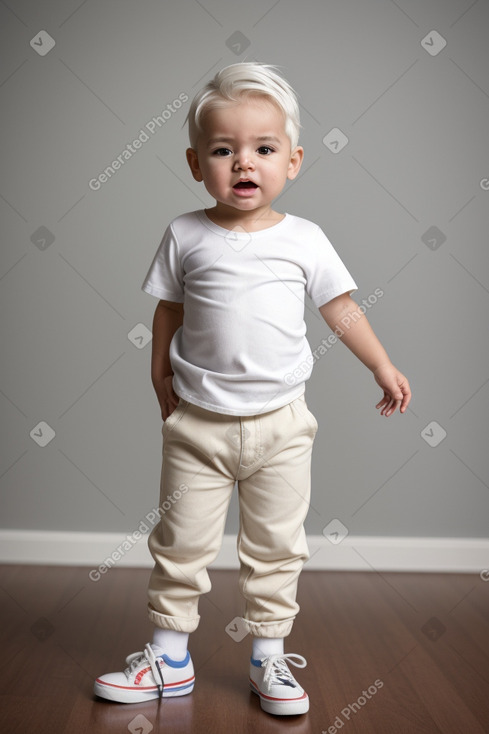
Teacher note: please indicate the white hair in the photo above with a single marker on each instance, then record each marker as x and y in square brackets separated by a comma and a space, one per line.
[251, 79]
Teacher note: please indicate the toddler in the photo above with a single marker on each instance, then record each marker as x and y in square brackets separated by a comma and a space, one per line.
[228, 340]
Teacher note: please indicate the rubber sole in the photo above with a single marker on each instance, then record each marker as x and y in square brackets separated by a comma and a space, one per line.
[129, 695]
[282, 707]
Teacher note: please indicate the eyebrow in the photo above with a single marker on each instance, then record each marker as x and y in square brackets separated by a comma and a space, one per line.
[260, 139]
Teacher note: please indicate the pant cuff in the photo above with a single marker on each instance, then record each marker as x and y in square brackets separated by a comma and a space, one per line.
[269, 629]
[178, 624]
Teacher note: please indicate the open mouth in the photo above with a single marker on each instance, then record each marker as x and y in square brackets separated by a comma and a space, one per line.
[245, 185]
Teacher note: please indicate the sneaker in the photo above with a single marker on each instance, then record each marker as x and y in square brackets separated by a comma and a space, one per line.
[279, 692]
[149, 674]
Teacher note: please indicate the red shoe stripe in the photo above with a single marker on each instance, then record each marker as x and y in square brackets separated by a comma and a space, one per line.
[180, 682]
[272, 698]
[126, 688]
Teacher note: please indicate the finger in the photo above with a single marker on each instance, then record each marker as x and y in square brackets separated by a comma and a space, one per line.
[382, 402]
[167, 409]
[405, 401]
[388, 398]
[172, 398]
[396, 403]
[393, 407]
[387, 404]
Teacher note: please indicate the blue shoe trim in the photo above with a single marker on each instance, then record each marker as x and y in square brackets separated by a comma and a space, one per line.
[181, 688]
[176, 663]
[256, 663]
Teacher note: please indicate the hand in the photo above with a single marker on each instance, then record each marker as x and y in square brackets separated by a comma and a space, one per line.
[167, 397]
[397, 393]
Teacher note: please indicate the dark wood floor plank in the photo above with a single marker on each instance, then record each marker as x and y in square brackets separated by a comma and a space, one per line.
[387, 654]
[457, 645]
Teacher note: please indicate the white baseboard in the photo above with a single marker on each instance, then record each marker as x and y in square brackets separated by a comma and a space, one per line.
[354, 553]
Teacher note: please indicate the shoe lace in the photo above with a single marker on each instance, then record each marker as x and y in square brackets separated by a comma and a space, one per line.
[146, 655]
[276, 670]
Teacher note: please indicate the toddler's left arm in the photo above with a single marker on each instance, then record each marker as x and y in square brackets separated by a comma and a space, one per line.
[343, 316]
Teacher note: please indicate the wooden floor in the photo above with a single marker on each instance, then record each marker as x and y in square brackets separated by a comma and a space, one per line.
[417, 644]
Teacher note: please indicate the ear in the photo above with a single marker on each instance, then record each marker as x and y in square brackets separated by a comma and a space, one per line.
[296, 158]
[193, 161]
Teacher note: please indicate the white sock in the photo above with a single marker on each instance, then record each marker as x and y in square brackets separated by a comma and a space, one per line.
[265, 646]
[172, 643]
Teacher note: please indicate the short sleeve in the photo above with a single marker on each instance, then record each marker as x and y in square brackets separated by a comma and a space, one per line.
[327, 276]
[165, 276]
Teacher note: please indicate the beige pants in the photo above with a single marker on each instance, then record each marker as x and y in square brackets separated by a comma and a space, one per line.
[204, 454]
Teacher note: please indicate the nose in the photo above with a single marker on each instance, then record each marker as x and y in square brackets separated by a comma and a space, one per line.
[243, 161]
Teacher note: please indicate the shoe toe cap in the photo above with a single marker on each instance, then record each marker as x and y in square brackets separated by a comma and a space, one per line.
[112, 679]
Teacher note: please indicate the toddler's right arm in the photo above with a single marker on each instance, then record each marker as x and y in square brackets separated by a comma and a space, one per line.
[167, 319]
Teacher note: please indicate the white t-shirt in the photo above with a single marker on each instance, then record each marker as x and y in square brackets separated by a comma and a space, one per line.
[243, 331]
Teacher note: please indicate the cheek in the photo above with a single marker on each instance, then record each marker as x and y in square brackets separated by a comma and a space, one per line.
[278, 171]
[278, 176]
[215, 171]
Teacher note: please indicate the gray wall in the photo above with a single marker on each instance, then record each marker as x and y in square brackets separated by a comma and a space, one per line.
[405, 203]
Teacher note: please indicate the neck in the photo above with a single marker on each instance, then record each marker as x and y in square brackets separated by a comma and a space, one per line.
[252, 221]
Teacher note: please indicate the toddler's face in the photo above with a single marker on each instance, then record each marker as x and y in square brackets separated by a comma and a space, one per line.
[243, 155]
